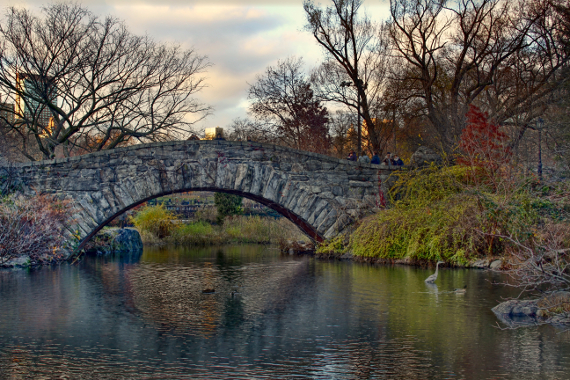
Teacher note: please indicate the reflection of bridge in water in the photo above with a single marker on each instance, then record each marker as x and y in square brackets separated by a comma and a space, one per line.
[320, 194]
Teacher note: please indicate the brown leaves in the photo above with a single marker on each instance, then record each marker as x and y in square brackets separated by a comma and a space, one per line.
[33, 227]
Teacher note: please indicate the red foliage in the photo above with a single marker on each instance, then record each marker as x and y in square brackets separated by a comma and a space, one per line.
[483, 144]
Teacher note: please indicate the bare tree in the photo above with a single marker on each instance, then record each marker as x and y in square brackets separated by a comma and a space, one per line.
[353, 72]
[83, 82]
[34, 227]
[284, 104]
[343, 140]
[500, 56]
[246, 129]
[543, 265]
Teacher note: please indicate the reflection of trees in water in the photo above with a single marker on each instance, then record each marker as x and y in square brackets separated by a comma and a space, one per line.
[113, 275]
[35, 298]
[398, 326]
[172, 295]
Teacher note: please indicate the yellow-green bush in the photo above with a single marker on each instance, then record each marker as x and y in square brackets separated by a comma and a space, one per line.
[332, 247]
[445, 229]
[155, 220]
[437, 214]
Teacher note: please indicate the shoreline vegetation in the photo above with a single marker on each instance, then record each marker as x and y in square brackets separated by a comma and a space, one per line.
[33, 230]
[442, 213]
[159, 226]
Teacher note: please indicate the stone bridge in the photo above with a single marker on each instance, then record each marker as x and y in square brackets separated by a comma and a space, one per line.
[320, 194]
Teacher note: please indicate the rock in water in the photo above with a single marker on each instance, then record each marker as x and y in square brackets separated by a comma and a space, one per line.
[517, 308]
[123, 241]
[551, 308]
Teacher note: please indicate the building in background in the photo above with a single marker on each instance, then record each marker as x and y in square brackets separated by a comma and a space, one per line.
[214, 133]
[31, 89]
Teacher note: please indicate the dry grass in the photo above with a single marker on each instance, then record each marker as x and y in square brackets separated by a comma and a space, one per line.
[555, 303]
[236, 229]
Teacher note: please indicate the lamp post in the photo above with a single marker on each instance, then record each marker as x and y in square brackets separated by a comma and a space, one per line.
[359, 127]
[539, 124]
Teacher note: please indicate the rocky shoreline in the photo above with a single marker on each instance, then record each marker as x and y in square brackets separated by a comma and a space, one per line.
[494, 263]
[25, 261]
[116, 241]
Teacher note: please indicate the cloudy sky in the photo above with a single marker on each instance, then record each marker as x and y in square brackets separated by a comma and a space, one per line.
[240, 38]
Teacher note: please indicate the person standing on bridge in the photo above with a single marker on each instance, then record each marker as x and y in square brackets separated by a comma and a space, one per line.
[363, 159]
[351, 156]
[388, 159]
[397, 161]
[375, 158]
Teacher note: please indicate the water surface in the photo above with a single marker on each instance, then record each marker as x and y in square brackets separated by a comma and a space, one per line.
[272, 316]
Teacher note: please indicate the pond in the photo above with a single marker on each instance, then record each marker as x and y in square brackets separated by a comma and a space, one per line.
[271, 316]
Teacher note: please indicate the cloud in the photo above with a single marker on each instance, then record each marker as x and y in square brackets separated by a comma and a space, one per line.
[240, 41]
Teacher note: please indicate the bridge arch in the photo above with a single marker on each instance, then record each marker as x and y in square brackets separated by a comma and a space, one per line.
[320, 194]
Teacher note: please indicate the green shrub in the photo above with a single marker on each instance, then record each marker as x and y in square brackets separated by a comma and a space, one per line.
[195, 233]
[196, 228]
[227, 205]
[442, 230]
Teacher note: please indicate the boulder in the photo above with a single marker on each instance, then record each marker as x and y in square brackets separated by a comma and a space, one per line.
[295, 247]
[551, 308]
[496, 264]
[561, 319]
[517, 308]
[481, 264]
[116, 241]
[424, 156]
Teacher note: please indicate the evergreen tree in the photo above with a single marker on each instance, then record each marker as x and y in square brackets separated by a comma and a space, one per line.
[227, 204]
